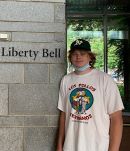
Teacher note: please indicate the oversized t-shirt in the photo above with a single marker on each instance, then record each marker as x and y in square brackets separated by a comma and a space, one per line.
[88, 100]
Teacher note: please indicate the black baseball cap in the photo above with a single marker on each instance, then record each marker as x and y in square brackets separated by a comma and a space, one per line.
[80, 44]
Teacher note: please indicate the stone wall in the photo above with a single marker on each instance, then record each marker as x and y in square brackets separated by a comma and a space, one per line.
[32, 63]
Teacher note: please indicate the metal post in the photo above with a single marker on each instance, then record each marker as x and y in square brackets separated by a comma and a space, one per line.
[105, 41]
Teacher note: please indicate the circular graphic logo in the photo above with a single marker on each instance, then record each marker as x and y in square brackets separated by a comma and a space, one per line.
[81, 100]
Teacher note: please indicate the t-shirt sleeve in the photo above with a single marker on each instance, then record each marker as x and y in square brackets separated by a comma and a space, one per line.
[62, 96]
[113, 101]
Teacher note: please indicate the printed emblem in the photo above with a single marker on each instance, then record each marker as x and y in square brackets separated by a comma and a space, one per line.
[78, 42]
[81, 100]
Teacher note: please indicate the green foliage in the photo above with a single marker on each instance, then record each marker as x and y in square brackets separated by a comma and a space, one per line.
[116, 52]
[121, 89]
[112, 57]
[75, 27]
[89, 24]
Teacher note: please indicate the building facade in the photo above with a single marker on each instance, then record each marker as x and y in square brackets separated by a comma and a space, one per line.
[33, 61]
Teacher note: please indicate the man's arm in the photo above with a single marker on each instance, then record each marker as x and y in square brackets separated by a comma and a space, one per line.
[116, 127]
[61, 135]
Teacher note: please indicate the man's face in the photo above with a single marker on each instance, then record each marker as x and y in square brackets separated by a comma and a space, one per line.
[79, 58]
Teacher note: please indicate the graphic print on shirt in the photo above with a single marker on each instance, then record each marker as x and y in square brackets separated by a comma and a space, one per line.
[81, 100]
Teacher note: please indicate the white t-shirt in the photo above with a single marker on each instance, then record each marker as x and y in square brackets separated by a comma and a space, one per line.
[87, 101]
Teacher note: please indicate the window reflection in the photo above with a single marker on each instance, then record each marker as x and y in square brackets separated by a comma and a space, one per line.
[117, 46]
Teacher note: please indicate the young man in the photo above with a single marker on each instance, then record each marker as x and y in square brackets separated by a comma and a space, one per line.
[90, 105]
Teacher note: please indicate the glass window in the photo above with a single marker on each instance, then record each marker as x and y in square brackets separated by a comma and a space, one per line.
[91, 30]
[117, 41]
[117, 49]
